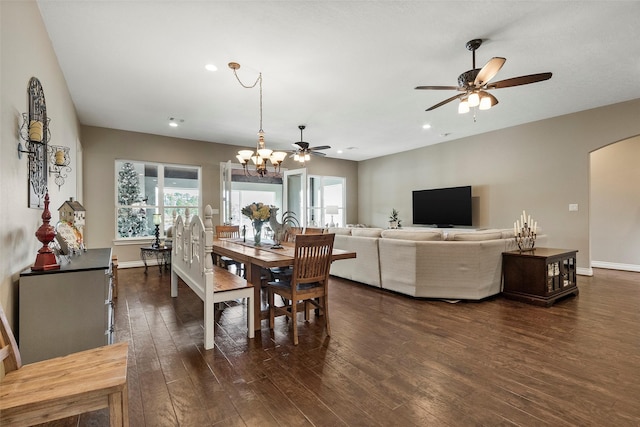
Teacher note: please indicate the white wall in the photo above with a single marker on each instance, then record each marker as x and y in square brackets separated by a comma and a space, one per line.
[25, 52]
[541, 167]
[615, 205]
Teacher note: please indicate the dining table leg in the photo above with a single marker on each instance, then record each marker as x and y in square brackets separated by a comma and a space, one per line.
[254, 273]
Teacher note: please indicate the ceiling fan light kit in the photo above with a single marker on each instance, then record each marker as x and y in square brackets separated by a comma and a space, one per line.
[303, 152]
[474, 83]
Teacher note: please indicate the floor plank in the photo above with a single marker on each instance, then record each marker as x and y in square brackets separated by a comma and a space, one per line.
[391, 361]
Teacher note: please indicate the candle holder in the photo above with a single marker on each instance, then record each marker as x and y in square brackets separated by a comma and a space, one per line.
[156, 221]
[59, 159]
[46, 259]
[524, 233]
[35, 133]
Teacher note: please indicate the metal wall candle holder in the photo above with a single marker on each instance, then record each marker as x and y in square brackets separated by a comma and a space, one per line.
[59, 159]
[34, 131]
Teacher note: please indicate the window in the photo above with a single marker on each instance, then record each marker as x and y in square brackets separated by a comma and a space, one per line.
[143, 189]
[326, 201]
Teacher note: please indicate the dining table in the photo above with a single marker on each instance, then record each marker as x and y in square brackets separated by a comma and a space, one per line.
[256, 258]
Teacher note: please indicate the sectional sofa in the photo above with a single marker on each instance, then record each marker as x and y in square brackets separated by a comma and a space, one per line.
[428, 263]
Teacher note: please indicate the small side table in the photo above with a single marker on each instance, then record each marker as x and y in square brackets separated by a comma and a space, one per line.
[162, 255]
[539, 276]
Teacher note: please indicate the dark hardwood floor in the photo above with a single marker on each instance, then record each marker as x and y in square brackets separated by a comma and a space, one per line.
[391, 361]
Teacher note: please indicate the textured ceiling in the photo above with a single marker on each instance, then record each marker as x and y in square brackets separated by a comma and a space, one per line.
[345, 69]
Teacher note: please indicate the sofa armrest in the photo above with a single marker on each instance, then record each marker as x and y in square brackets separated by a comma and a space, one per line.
[365, 267]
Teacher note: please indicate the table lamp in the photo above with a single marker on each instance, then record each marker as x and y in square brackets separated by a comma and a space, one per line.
[332, 210]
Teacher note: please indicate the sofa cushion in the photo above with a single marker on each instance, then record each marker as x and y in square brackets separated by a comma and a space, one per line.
[418, 236]
[366, 232]
[340, 231]
[476, 236]
[507, 234]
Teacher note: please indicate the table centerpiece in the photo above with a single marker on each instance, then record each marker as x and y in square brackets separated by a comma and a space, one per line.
[258, 213]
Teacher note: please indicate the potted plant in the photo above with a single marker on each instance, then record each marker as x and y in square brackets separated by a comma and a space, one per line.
[394, 221]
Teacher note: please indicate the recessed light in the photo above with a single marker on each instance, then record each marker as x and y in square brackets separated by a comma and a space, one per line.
[339, 151]
[426, 126]
[211, 67]
[173, 122]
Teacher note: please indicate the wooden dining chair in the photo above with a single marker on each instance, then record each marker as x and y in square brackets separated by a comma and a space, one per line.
[313, 230]
[229, 232]
[291, 233]
[308, 282]
[283, 273]
[62, 387]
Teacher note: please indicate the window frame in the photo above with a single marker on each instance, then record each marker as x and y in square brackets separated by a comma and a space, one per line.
[160, 206]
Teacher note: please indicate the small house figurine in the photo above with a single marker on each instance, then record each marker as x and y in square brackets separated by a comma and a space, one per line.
[72, 213]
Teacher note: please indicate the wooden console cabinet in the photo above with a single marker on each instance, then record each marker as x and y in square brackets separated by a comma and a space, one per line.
[540, 276]
[68, 310]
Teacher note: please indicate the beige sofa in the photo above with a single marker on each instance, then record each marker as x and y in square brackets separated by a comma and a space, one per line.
[430, 263]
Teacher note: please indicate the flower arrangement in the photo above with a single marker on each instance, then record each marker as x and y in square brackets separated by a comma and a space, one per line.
[258, 213]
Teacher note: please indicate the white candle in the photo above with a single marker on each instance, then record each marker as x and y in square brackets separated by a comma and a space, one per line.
[59, 158]
[529, 221]
[515, 228]
[535, 226]
[35, 130]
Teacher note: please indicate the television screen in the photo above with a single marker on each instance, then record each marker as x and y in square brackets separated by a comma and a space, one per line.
[442, 207]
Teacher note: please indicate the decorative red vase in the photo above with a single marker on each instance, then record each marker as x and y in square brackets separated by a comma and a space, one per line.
[46, 259]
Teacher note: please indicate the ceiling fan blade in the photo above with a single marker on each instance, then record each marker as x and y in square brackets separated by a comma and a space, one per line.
[320, 147]
[446, 101]
[518, 81]
[489, 71]
[317, 153]
[438, 88]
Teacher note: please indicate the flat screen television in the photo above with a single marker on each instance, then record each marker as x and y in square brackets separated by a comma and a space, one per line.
[442, 207]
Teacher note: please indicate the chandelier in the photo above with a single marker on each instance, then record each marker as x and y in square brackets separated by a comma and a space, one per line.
[262, 154]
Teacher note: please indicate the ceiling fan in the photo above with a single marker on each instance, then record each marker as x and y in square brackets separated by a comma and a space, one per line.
[474, 84]
[303, 151]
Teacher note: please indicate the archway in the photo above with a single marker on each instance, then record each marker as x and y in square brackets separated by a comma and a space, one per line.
[614, 205]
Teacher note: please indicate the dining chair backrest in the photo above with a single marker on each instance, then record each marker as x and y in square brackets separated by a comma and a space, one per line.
[313, 230]
[227, 231]
[312, 258]
[9, 352]
[291, 233]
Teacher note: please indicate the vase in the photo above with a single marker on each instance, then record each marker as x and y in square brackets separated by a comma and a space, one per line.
[257, 232]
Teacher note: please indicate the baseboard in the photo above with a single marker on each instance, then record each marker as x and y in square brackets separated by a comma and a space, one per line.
[581, 271]
[134, 264]
[615, 266]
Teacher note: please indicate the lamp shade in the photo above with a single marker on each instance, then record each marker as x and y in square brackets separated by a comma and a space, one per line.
[278, 156]
[332, 210]
[157, 219]
[474, 99]
[463, 107]
[245, 154]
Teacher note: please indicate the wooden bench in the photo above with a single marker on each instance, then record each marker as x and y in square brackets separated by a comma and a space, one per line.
[62, 387]
[229, 286]
[192, 261]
